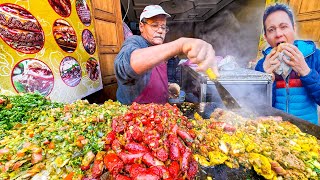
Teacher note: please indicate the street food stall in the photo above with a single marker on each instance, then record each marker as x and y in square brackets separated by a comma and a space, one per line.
[47, 132]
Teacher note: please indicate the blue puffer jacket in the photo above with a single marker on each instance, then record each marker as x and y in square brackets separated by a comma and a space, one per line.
[297, 95]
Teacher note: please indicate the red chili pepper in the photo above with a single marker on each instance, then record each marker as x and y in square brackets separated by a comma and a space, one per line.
[149, 160]
[165, 114]
[185, 159]
[84, 168]
[184, 119]
[150, 126]
[118, 125]
[226, 127]
[174, 139]
[136, 169]
[122, 177]
[189, 125]
[147, 176]
[113, 163]
[159, 128]
[144, 119]
[193, 168]
[110, 137]
[175, 109]
[127, 167]
[130, 158]
[107, 147]
[153, 144]
[162, 154]
[216, 124]
[137, 134]
[229, 128]
[128, 117]
[185, 137]
[164, 172]
[128, 136]
[46, 142]
[155, 170]
[151, 116]
[192, 133]
[166, 143]
[174, 169]
[149, 135]
[97, 168]
[135, 147]
[174, 129]
[116, 146]
[174, 151]
[157, 119]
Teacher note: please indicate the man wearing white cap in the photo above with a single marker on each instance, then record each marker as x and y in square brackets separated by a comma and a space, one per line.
[140, 66]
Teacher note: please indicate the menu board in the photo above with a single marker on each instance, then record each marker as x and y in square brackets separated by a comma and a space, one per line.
[49, 46]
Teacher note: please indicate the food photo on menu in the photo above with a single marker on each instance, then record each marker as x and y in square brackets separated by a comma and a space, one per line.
[93, 69]
[83, 12]
[70, 71]
[32, 75]
[65, 35]
[88, 41]
[20, 29]
[61, 7]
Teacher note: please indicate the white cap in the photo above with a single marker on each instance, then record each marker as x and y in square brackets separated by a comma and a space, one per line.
[152, 10]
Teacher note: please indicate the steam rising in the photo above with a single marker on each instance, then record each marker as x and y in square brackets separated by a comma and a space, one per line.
[235, 30]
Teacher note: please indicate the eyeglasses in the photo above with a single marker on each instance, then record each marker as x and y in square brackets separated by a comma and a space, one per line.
[156, 27]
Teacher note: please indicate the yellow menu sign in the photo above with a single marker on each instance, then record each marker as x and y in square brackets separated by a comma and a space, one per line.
[49, 46]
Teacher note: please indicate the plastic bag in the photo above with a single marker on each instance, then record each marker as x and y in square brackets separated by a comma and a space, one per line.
[228, 64]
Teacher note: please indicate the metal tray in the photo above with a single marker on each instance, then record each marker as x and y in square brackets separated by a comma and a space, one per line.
[223, 172]
[245, 85]
[254, 111]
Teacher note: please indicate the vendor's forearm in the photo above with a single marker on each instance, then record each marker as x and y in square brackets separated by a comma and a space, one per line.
[144, 59]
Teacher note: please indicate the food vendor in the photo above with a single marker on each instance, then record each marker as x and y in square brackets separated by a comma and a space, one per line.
[296, 92]
[140, 66]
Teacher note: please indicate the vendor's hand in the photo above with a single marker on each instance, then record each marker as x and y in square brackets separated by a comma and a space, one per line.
[201, 53]
[271, 62]
[297, 61]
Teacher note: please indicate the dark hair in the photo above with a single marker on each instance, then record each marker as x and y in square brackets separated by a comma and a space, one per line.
[277, 7]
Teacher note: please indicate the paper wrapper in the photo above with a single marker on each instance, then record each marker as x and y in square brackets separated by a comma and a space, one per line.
[284, 69]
